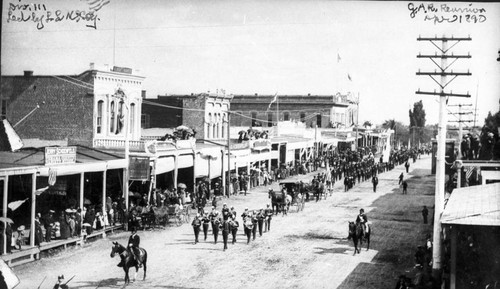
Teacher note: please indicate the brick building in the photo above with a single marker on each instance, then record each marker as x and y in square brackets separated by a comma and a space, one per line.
[322, 110]
[84, 109]
[206, 113]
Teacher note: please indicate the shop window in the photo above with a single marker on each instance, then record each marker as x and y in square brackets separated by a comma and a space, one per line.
[269, 119]
[286, 116]
[302, 116]
[318, 119]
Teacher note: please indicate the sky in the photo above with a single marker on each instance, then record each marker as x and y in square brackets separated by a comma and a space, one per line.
[264, 47]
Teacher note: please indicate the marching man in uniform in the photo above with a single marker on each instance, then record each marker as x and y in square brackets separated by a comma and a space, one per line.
[268, 213]
[196, 227]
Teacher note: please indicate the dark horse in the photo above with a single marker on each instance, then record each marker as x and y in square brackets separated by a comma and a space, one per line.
[278, 200]
[128, 260]
[356, 233]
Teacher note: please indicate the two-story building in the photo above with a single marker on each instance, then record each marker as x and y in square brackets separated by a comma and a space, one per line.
[321, 110]
[74, 129]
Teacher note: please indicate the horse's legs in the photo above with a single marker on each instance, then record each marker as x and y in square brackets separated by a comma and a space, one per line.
[135, 273]
[368, 243]
[145, 269]
[127, 279]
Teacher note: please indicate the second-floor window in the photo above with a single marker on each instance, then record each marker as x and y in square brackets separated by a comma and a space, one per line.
[254, 118]
[132, 117]
[100, 104]
[112, 117]
[3, 109]
[145, 121]
[286, 116]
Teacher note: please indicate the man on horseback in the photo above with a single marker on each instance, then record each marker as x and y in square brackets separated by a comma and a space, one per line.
[362, 219]
[133, 245]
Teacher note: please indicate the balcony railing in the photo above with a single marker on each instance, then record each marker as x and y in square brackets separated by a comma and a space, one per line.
[118, 144]
[144, 145]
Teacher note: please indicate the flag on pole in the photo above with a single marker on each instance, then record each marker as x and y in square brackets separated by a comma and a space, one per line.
[14, 205]
[338, 58]
[272, 101]
[349, 77]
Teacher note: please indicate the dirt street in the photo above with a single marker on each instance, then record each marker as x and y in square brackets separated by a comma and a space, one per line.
[308, 249]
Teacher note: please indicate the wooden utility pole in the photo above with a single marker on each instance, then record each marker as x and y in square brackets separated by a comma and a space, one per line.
[441, 151]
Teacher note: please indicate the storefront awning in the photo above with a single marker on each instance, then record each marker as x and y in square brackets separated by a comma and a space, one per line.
[185, 161]
[163, 165]
[475, 206]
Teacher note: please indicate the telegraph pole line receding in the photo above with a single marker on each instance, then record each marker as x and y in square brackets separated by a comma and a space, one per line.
[440, 161]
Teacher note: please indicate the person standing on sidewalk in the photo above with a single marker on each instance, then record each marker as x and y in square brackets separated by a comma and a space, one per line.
[196, 227]
[425, 213]
[401, 177]
[407, 166]
[375, 183]
[405, 188]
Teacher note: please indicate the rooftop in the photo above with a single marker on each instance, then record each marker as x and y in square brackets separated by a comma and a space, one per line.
[475, 206]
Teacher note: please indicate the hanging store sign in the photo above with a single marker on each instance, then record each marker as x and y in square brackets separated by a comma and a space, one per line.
[60, 155]
[139, 169]
[261, 144]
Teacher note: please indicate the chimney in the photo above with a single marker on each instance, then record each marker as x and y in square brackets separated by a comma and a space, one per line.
[91, 66]
[28, 73]
[143, 93]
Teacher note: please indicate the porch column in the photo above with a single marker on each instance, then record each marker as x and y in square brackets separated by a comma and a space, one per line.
[223, 173]
[82, 183]
[453, 261]
[195, 193]
[176, 168]
[104, 213]
[33, 210]
[5, 200]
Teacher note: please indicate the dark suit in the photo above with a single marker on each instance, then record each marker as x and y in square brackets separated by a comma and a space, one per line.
[260, 221]
[206, 224]
[135, 241]
[234, 229]
[226, 228]
[196, 227]
[268, 213]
